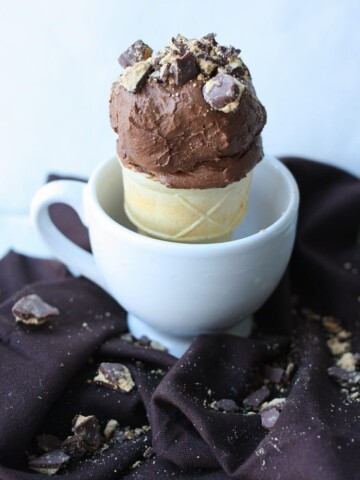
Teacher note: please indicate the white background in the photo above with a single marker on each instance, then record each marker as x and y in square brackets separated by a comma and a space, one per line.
[59, 58]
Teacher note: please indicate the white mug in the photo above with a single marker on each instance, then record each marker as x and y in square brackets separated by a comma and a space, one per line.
[174, 291]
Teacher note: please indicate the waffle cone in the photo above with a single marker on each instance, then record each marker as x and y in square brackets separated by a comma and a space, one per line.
[184, 215]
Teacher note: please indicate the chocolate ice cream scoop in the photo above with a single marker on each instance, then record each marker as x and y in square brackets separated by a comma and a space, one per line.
[188, 115]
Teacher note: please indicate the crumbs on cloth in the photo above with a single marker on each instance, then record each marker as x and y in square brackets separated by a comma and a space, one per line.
[345, 372]
[88, 439]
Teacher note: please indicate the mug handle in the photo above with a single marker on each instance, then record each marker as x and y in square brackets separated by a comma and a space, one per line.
[69, 192]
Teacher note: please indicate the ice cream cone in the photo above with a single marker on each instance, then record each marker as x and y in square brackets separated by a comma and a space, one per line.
[184, 215]
[188, 123]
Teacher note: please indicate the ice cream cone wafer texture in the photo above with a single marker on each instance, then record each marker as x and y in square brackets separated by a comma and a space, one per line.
[189, 135]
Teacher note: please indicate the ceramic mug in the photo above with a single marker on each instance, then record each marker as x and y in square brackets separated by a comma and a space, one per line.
[174, 291]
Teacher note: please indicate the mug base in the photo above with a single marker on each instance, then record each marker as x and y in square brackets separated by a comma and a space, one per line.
[177, 345]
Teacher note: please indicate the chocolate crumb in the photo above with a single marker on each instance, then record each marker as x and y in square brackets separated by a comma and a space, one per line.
[274, 374]
[269, 418]
[256, 398]
[184, 68]
[223, 92]
[49, 463]
[74, 446]
[137, 52]
[89, 429]
[115, 376]
[225, 405]
[227, 54]
[210, 38]
[32, 310]
[180, 44]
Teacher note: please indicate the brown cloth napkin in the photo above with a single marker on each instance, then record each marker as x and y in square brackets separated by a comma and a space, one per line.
[46, 372]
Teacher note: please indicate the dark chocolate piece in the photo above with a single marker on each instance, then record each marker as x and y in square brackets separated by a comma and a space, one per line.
[344, 377]
[269, 418]
[235, 70]
[115, 376]
[32, 310]
[256, 398]
[226, 405]
[47, 443]
[184, 68]
[49, 463]
[226, 53]
[180, 44]
[223, 92]
[74, 446]
[274, 374]
[137, 52]
[89, 429]
[210, 38]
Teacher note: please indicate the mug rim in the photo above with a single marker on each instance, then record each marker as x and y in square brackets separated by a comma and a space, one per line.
[286, 219]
